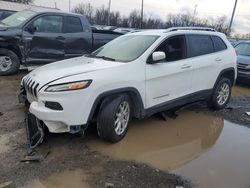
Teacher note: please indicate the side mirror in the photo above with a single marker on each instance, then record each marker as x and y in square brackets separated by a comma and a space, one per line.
[31, 29]
[158, 56]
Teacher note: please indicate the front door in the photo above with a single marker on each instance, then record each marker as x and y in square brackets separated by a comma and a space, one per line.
[171, 78]
[44, 39]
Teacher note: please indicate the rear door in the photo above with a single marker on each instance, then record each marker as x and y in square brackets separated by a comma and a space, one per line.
[78, 37]
[205, 62]
[46, 43]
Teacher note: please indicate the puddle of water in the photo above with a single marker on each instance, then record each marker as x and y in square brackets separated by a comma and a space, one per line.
[207, 150]
[241, 91]
[165, 145]
[224, 165]
[4, 139]
[67, 179]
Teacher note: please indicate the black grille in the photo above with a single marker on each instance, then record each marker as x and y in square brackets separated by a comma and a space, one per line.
[31, 86]
[243, 67]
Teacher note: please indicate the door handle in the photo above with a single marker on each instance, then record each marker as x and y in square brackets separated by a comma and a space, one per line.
[60, 38]
[218, 59]
[186, 66]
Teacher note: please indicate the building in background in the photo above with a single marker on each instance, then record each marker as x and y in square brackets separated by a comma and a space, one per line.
[8, 8]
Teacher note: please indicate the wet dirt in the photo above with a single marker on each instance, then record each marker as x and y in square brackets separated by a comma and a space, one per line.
[4, 147]
[241, 91]
[198, 145]
[74, 178]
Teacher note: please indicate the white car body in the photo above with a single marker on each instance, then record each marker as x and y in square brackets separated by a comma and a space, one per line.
[156, 84]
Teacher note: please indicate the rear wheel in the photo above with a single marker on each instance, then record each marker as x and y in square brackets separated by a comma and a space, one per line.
[221, 94]
[9, 62]
[113, 118]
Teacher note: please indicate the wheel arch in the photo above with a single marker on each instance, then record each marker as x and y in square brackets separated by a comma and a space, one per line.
[14, 49]
[133, 93]
[226, 73]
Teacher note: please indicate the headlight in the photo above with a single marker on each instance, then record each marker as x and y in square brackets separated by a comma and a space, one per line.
[68, 86]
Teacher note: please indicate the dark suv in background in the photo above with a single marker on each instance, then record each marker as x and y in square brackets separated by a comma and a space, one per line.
[32, 37]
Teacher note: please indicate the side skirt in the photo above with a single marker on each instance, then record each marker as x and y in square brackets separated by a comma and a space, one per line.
[182, 101]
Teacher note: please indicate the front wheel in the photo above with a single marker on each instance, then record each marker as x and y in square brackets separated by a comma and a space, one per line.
[113, 118]
[9, 62]
[221, 94]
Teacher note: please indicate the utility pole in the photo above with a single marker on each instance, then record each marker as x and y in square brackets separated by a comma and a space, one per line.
[195, 9]
[109, 12]
[232, 18]
[142, 14]
[69, 5]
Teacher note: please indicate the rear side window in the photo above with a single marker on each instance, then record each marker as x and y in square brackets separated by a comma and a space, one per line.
[73, 25]
[199, 45]
[219, 44]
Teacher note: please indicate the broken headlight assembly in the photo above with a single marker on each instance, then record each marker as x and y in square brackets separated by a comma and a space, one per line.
[70, 86]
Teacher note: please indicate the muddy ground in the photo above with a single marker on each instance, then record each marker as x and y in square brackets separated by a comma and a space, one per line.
[70, 153]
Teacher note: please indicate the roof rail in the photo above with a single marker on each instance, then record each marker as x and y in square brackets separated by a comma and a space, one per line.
[191, 28]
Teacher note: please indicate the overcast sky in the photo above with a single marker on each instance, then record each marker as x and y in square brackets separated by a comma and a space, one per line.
[160, 8]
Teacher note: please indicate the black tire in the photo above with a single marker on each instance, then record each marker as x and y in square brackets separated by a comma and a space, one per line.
[14, 67]
[108, 115]
[214, 101]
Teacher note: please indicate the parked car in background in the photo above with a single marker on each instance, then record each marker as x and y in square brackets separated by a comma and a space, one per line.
[8, 8]
[234, 42]
[5, 14]
[37, 37]
[243, 60]
[133, 76]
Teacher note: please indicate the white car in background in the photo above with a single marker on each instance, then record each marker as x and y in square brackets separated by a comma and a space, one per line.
[133, 76]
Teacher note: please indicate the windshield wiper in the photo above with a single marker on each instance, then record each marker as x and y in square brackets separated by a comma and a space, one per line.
[101, 57]
[106, 58]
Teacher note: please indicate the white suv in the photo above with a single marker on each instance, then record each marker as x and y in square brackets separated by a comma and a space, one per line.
[134, 76]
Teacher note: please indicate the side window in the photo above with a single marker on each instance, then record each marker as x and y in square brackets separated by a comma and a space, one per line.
[199, 45]
[72, 25]
[174, 48]
[49, 24]
[219, 44]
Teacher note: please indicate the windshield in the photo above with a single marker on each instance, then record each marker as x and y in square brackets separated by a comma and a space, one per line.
[18, 18]
[126, 48]
[243, 49]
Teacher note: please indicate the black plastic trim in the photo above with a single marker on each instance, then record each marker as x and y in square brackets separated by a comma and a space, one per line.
[182, 101]
[53, 105]
[138, 101]
[222, 72]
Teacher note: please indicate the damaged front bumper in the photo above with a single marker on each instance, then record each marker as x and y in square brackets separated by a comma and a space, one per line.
[34, 130]
[34, 127]
[40, 116]
[22, 97]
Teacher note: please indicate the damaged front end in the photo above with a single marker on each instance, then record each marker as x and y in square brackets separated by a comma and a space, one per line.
[34, 130]
[34, 127]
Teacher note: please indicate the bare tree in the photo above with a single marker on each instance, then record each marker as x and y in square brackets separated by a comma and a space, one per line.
[85, 9]
[100, 16]
[134, 19]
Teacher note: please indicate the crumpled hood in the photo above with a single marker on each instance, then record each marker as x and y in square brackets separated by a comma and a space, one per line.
[69, 67]
[243, 59]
